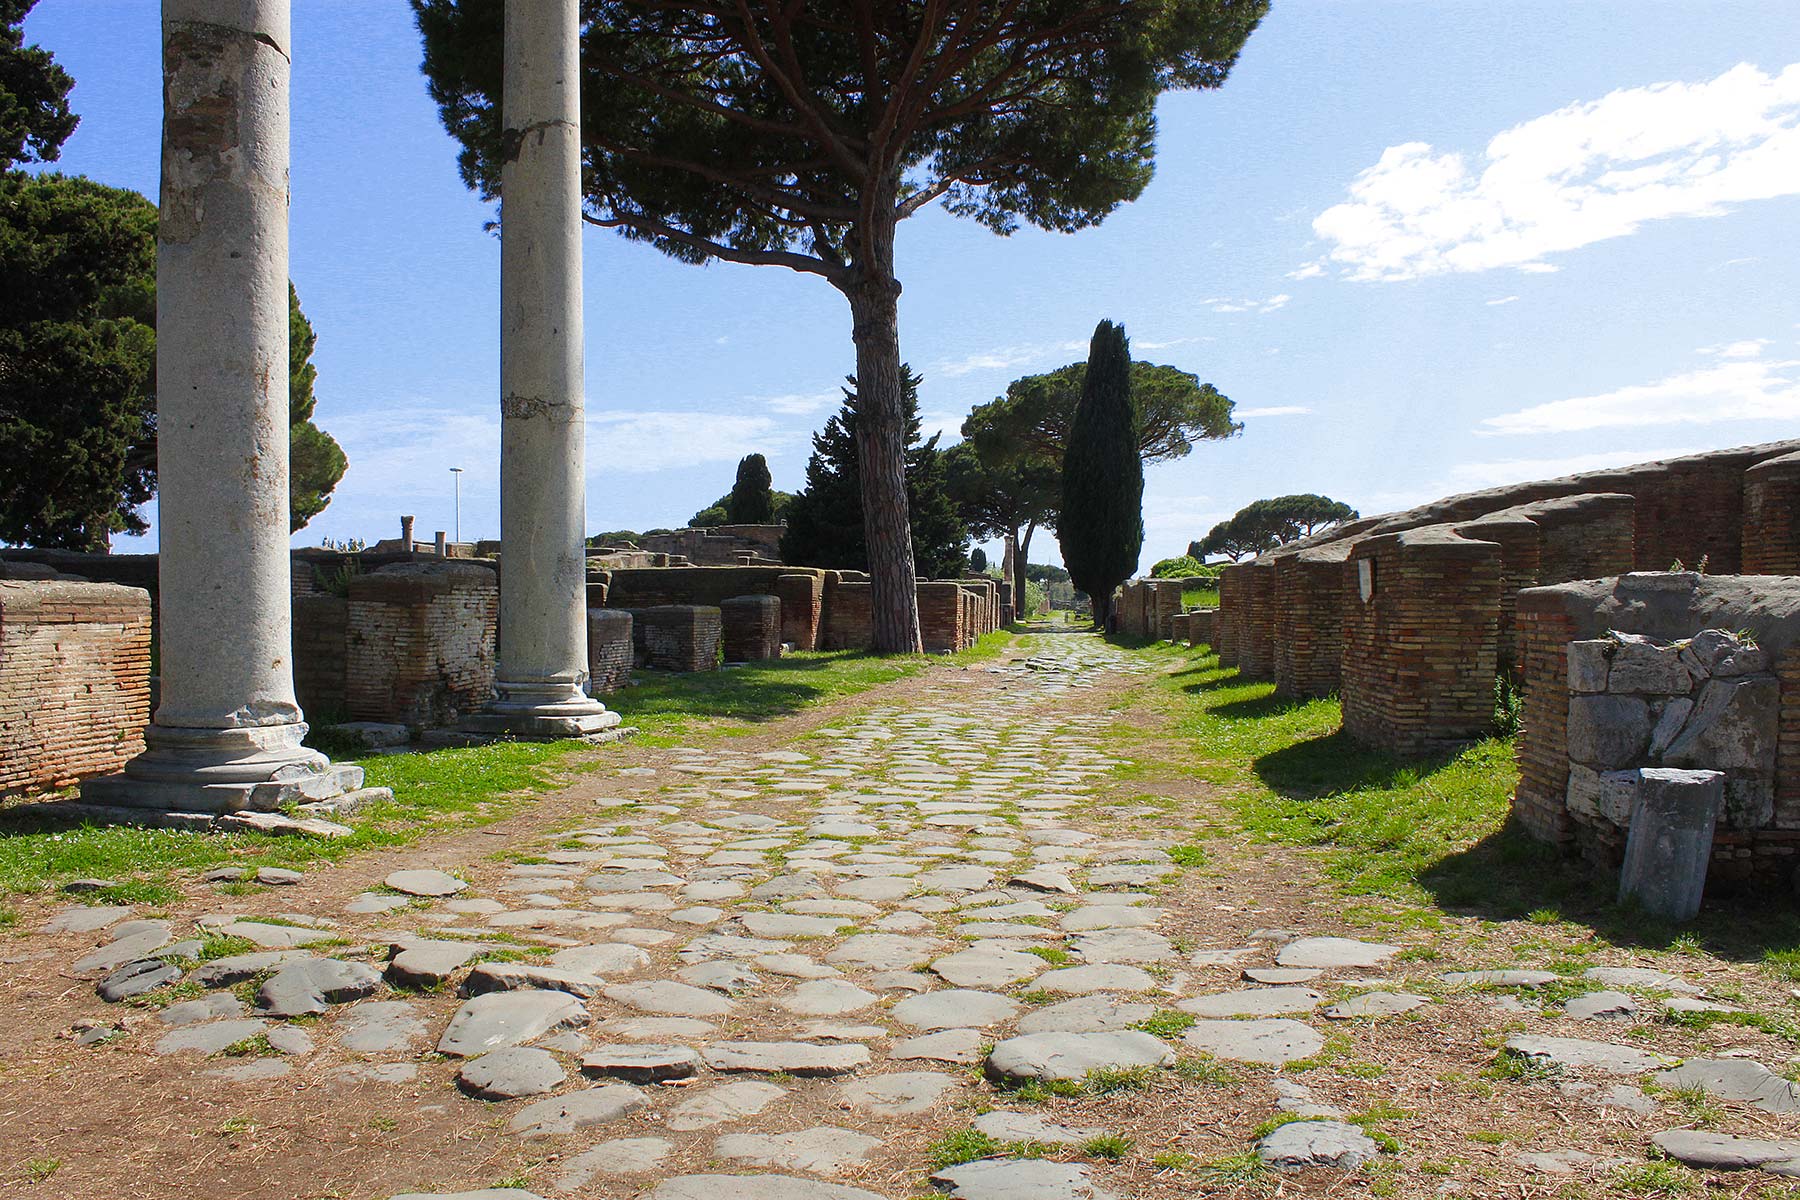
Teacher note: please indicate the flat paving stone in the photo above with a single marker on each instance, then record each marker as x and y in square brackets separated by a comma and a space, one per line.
[793, 1058]
[1312, 1145]
[131, 941]
[826, 998]
[206, 1008]
[1050, 1056]
[955, 1008]
[1087, 1014]
[1602, 1006]
[1499, 979]
[137, 977]
[641, 1062]
[495, 1019]
[516, 976]
[1334, 953]
[754, 1187]
[577, 1110]
[883, 951]
[946, 1045]
[380, 1027]
[606, 958]
[1376, 1004]
[83, 919]
[209, 1038]
[1124, 946]
[1085, 981]
[1282, 975]
[1626, 978]
[621, 1156]
[1018, 1179]
[665, 997]
[480, 1194]
[988, 968]
[427, 963]
[723, 1103]
[511, 1072]
[1273, 1041]
[1724, 1151]
[1254, 1002]
[1577, 1054]
[311, 986]
[1737, 1079]
[901, 1094]
[824, 1150]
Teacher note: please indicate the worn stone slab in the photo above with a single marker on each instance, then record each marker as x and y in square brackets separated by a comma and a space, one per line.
[131, 941]
[641, 1062]
[987, 968]
[1601, 1006]
[1124, 946]
[956, 1008]
[1576, 1054]
[901, 1094]
[1626, 978]
[826, 998]
[825, 1150]
[1376, 1004]
[606, 958]
[206, 1008]
[1334, 953]
[1498, 979]
[1018, 1179]
[795, 1058]
[425, 963]
[137, 977]
[883, 951]
[1309, 1145]
[495, 1019]
[209, 1038]
[277, 937]
[726, 1102]
[1273, 1041]
[1085, 981]
[83, 919]
[425, 883]
[1254, 1002]
[1738, 1079]
[1086, 1014]
[946, 1045]
[313, 985]
[620, 1156]
[510, 1073]
[1005, 1126]
[1724, 1151]
[513, 976]
[1072, 1055]
[665, 997]
[577, 1110]
[754, 1187]
[380, 1027]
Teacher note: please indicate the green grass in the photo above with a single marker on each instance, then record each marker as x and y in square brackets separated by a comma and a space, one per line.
[1167, 1023]
[1107, 1145]
[961, 1146]
[1200, 598]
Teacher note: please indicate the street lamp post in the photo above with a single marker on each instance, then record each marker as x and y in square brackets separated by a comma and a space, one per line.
[456, 474]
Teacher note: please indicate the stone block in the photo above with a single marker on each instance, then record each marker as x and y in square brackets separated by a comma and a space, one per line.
[1608, 732]
[1671, 841]
[1749, 801]
[680, 637]
[751, 628]
[1735, 724]
[1602, 795]
[1669, 724]
[1589, 665]
[1646, 668]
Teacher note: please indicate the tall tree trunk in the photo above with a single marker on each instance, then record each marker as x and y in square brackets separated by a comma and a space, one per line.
[881, 445]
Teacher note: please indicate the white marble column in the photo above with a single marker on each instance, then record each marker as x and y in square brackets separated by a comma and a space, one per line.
[543, 494]
[227, 732]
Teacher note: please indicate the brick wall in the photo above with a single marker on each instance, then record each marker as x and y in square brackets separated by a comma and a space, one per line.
[1772, 517]
[74, 681]
[941, 617]
[1309, 599]
[1202, 627]
[679, 637]
[802, 602]
[1233, 597]
[1255, 628]
[1162, 601]
[1545, 629]
[420, 642]
[848, 623]
[1419, 653]
[321, 630]
[649, 587]
[750, 628]
[610, 652]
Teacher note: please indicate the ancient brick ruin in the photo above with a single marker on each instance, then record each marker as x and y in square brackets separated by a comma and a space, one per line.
[751, 628]
[74, 681]
[420, 643]
[1649, 670]
[1411, 617]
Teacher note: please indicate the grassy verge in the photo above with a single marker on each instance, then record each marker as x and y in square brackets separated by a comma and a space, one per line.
[442, 791]
[1200, 598]
[1432, 832]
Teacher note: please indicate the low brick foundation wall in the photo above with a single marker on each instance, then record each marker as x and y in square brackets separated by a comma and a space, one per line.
[610, 653]
[679, 637]
[1233, 596]
[1772, 517]
[321, 631]
[750, 628]
[420, 643]
[1255, 630]
[1308, 598]
[74, 681]
[941, 628]
[1203, 624]
[802, 605]
[1420, 640]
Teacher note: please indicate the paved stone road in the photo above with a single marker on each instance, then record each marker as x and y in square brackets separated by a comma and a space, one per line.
[778, 967]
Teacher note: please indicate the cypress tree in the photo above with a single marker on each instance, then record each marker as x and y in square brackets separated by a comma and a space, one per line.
[752, 499]
[1101, 526]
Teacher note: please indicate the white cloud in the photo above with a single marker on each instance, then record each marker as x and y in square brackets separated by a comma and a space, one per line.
[1311, 270]
[1576, 176]
[1006, 358]
[1274, 410]
[1501, 300]
[636, 443]
[1474, 476]
[1739, 385]
[800, 405]
[1225, 304]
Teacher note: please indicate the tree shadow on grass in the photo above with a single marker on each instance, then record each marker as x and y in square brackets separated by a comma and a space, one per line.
[1333, 762]
[1252, 708]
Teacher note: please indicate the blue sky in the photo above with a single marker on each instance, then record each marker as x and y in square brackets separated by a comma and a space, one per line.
[1427, 247]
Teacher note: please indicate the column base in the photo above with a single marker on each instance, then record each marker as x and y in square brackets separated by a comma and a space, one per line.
[257, 768]
[540, 713]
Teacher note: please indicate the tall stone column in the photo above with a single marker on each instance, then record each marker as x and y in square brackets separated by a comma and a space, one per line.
[227, 732]
[543, 492]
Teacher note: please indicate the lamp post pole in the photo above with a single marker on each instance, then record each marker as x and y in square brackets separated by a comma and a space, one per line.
[456, 474]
